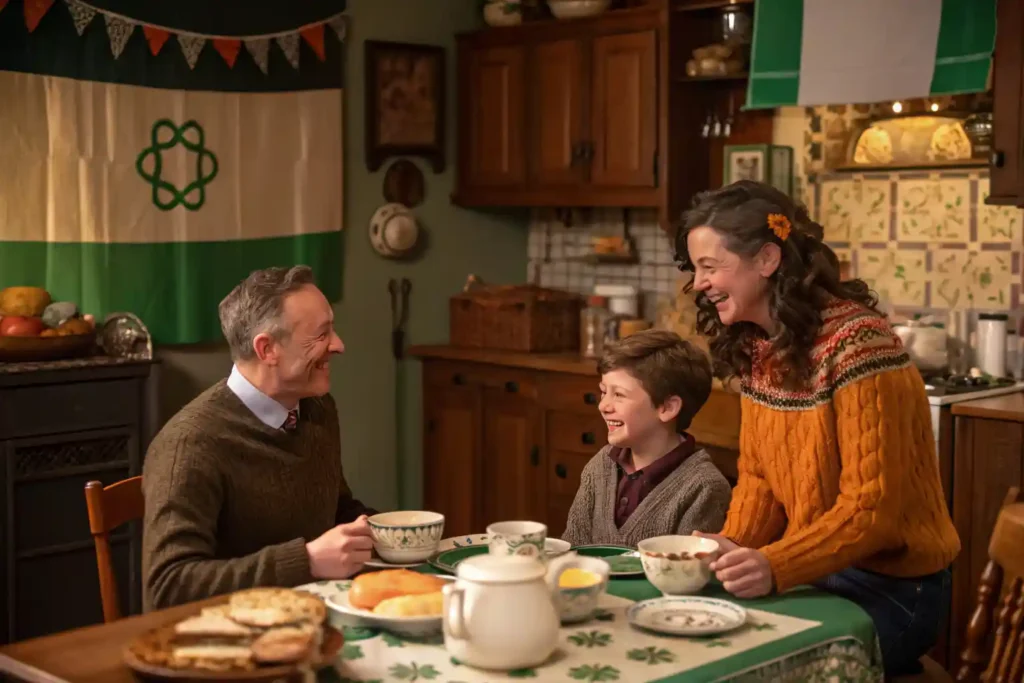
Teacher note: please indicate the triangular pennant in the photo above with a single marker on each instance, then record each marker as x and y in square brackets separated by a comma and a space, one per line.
[228, 49]
[119, 31]
[34, 11]
[81, 14]
[259, 48]
[191, 46]
[339, 25]
[289, 44]
[156, 37]
[314, 37]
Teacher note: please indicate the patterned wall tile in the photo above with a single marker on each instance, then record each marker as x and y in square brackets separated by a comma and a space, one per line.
[969, 278]
[996, 223]
[900, 276]
[933, 210]
[854, 209]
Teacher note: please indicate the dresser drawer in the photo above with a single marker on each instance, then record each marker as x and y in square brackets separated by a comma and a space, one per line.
[510, 380]
[577, 393]
[576, 433]
[33, 410]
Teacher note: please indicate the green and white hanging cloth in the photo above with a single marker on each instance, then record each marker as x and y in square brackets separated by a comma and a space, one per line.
[813, 52]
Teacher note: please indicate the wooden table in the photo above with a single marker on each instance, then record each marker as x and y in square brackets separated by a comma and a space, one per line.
[93, 653]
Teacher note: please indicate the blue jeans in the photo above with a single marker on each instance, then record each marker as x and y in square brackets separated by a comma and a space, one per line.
[908, 613]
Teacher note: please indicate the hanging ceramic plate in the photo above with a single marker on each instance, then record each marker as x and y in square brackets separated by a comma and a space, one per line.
[623, 561]
[687, 616]
[453, 550]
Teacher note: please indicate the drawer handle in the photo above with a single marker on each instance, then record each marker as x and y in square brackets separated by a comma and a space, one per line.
[511, 387]
[535, 456]
[588, 438]
[458, 378]
[997, 159]
[590, 398]
[560, 471]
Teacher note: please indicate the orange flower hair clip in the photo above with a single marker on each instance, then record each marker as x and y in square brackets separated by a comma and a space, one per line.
[780, 225]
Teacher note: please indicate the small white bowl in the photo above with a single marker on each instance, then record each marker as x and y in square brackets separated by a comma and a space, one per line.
[578, 604]
[406, 536]
[574, 9]
[677, 565]
[503, 13]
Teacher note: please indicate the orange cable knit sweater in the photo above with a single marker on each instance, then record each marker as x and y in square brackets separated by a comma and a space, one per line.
[843, 473]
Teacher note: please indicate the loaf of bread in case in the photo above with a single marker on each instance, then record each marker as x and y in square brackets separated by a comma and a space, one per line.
[369, 590]
[424, 605]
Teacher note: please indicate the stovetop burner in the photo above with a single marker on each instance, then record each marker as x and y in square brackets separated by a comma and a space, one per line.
[944, 385]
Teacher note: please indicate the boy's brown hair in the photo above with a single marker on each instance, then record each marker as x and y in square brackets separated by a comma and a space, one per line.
[666, 365]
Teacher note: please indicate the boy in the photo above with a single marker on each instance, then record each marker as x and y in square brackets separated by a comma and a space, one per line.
[650, 480]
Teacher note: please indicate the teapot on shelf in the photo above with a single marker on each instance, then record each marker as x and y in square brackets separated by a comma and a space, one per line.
[502, 612]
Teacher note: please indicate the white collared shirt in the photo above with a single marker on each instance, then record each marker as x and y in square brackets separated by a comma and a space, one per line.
[269, 411]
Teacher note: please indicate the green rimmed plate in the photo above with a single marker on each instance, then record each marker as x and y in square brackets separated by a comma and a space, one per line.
[456, 549]
[447, 560]
[622, 560]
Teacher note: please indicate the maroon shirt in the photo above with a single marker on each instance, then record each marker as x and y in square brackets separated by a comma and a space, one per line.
[634, 485]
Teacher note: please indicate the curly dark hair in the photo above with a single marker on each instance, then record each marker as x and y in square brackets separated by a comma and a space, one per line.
[806, 279]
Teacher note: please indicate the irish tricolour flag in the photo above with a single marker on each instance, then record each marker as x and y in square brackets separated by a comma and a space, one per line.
[811, 52]
[149, 170]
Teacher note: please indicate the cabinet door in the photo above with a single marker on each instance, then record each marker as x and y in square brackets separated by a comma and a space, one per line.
[1007, 182]
[494, 100]
[451, 443]
[556, 83]
[514, 487]
[624, 110]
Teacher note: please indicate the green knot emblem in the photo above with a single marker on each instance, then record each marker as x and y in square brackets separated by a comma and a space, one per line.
[165, 195]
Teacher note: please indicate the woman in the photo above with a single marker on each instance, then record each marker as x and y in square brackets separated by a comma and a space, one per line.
[838, 476]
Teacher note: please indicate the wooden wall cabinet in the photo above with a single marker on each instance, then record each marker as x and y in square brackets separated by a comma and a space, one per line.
[560, 113]
[1007, 162]
[507, 435]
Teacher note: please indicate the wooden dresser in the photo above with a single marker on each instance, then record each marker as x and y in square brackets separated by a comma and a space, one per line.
[506, 435]
[62, 424]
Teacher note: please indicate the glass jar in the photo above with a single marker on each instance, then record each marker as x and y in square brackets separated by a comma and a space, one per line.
[593, 320]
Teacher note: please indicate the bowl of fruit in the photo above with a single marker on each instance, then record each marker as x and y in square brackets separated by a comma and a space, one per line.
[33, 327]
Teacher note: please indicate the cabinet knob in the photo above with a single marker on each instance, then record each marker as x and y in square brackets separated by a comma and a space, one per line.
[535, 456]
[458, 378]
[587, 438]
[560, 471]
[511, 387]
[997, 159]
[431, 426]
[590, 398]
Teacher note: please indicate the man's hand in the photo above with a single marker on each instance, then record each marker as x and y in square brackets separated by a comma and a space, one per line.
[341, 551]
[724, 544]
[744, 572]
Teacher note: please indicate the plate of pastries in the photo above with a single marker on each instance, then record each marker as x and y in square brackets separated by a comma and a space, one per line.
[398, 600]
[257, 634]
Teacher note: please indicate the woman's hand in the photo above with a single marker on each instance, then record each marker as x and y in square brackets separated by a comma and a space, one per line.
[744, 572]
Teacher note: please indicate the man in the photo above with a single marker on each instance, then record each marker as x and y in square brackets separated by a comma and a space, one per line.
[244, 486]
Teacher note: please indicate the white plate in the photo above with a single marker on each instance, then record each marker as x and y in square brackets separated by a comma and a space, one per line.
[407, 626]
[378, 563]
[553, 546]
[687, 616]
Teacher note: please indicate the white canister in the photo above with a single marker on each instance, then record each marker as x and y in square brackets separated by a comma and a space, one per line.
[991, 349]
[622, 299]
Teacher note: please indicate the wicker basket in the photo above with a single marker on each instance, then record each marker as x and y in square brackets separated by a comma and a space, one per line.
[515, 318]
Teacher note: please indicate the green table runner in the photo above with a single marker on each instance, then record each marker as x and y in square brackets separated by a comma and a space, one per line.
[804, 635]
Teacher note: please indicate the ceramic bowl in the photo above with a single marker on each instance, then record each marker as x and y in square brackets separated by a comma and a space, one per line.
[677, 565]
[503, 13]
[407, 535]
[579, 604]
[574, 9]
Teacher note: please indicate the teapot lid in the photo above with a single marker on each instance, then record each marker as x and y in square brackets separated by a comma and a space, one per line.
[501, 568]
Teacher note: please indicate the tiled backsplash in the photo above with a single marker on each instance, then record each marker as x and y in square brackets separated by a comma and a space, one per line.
[557, 254]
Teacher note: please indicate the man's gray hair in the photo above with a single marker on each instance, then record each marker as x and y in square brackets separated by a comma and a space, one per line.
[254, 306]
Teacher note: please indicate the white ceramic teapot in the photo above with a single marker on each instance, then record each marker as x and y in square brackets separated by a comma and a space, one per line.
[501, 613]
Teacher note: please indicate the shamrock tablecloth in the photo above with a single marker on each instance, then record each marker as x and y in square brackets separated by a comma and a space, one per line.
[804, 635]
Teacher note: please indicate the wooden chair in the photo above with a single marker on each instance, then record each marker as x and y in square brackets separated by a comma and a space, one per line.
[1001, 582]
[110, 507]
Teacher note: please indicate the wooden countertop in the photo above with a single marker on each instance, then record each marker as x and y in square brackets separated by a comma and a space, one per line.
[570, 363]
[1009, 407]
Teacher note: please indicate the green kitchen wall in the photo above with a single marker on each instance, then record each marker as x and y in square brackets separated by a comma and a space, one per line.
[380, 418]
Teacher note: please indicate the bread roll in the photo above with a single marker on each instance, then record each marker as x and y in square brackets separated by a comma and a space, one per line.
[369, 590]
[425, 605]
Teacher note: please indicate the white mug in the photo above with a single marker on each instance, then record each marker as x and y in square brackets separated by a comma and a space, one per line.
[518, 538]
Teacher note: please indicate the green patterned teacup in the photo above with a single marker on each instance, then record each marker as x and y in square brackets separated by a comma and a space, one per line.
[518, 538]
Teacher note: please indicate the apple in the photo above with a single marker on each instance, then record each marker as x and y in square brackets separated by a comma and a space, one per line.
[21, 326]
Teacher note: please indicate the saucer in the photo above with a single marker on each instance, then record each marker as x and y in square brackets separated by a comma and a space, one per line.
[686, 616]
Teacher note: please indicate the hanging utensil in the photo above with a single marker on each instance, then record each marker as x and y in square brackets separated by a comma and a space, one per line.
[727, 126]
[399, 314]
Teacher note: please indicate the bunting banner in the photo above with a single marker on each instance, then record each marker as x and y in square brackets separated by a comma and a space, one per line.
[150, 169]
[820, 52]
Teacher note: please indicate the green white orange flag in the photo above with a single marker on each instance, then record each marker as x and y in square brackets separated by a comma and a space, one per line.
[151, 180]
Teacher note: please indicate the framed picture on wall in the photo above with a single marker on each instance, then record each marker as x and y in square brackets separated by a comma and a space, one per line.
[772, 164]
[404, 102]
